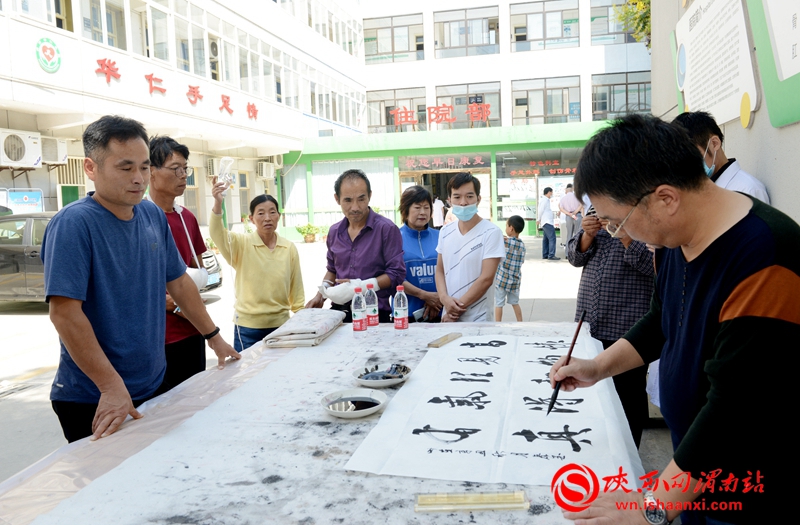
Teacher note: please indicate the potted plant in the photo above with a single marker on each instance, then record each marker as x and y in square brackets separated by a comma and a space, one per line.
[324, 231]
[309, 232]
[211, 245]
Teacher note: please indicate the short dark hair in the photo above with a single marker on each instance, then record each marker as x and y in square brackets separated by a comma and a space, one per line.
[162, 147]
[635, 155]
[547, 190]
[700, 126]
[516, 222]
[351, 174]
[569, 185]
[412, 196]
[110, 127]
[261, 199]
[459, 179]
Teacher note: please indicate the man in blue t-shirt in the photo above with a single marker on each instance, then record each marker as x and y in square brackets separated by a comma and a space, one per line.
[107, 259]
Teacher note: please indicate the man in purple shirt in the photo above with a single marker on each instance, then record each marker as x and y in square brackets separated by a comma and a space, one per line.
[364, 245]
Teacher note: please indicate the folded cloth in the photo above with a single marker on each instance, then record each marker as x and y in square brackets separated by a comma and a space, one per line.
[308, 327]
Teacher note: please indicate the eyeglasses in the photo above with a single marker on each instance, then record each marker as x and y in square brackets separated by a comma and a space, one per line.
[179, 170]
[615, 229]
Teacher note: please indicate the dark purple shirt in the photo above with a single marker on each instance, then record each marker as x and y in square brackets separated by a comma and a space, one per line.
[377, 250]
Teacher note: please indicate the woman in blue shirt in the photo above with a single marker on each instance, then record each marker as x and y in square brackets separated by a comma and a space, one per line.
[419, 253]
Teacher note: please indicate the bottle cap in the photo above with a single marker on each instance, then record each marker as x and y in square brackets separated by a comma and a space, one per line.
[370, 286]
[358, 289]
[400, 288]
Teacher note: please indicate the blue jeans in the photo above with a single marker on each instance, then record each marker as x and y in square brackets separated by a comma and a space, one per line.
[244, 337]
[549, 241]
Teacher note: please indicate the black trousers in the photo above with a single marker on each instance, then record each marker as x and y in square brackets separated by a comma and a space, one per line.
[384, 316]
[631, 388]
[76, 418]
[185, 358]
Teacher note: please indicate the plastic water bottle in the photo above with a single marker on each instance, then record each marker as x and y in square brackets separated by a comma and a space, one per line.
[400, 312]
[371, 301]
[359, 310]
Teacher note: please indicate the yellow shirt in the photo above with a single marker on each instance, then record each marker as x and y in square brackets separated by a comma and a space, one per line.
[268, 282]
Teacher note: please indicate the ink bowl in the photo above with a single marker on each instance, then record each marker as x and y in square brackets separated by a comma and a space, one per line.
[390, 369]
[353, 403]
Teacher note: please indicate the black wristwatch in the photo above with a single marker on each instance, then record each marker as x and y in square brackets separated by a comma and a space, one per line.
[212, 334]
[654, 513]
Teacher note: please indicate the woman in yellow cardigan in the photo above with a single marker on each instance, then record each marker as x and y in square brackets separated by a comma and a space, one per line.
[268, 281]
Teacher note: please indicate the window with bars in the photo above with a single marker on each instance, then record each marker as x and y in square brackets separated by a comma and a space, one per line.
[393, 110]
[605, 27]
[544, 25]
[546, 100]
[393, 39]
[466, 32]
[617, 94]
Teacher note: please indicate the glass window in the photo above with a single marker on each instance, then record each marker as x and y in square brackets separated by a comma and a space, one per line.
[160, 35]
[393, 111]
[268, 81]
[467, 106]
[198, 51]
[278, 87]
[466, 32]
[544, 25]
[12, 232]
[182, 7]
[619, 94]
[63, 9]
[397, 39]
[198, 15]
[115, 24]
[228, 62]
[182, 44]
[546, 101]
[244, 70]
[605, 28]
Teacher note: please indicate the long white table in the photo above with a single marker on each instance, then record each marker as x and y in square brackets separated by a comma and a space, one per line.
[262, 452]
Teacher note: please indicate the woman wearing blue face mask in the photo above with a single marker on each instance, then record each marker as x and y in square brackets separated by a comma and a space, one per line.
[419, 254]
[470, 250]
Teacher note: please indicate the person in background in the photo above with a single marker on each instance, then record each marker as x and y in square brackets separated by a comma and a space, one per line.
[509, 273]
[571, 212]
[615, 291]
[365, 246]
[547, 224]
[724, 172]
[438, 213]
[268, 281]
[419, 254]
[184, 346]
[107, 259]
[470, 250]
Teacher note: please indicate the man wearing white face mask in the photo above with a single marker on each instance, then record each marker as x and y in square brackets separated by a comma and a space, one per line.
[723, 171]
[470, 250]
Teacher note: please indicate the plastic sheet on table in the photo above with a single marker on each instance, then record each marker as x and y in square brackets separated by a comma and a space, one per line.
[40, 487]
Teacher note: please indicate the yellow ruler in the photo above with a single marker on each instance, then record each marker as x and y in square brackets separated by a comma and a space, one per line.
[451, 502]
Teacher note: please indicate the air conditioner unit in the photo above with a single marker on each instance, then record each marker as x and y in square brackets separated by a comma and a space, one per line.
[213, 48]
[54, 151]
[20, 149]
[212, 168]
[278, 162]
[265, 171]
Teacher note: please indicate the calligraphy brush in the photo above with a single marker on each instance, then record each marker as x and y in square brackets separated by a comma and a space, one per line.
[569, 354]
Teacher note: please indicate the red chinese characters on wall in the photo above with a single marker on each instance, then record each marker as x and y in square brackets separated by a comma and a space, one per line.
[252, 111]
[108, 68]
[478, 112]
[440, 114]
[152, 80]
[194, 94]
[545, 163]
[403, 116]
[226, 104]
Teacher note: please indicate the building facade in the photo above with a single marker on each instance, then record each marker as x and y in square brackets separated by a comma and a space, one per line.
[249, 80]
[509, 91]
